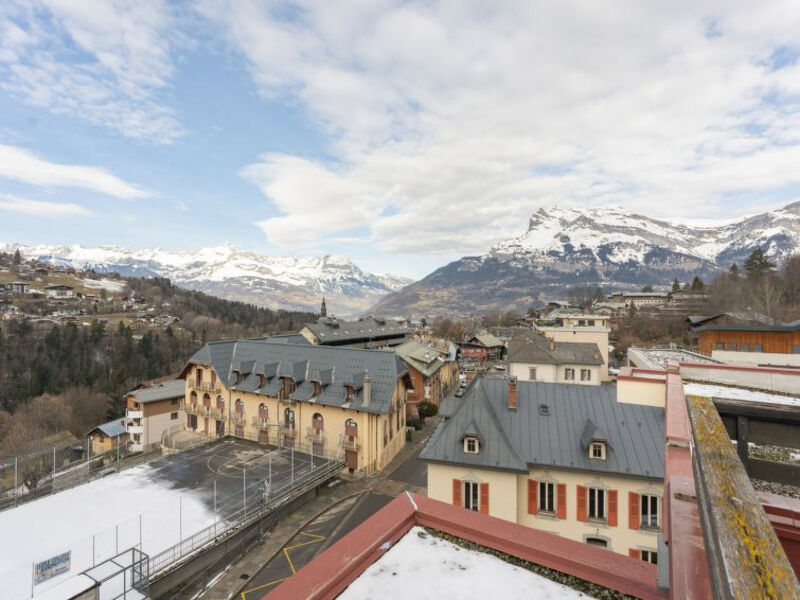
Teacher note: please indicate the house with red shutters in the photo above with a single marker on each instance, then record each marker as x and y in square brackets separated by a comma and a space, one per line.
[573, 460]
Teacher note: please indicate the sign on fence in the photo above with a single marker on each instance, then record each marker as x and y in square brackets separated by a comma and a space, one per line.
[47, 569]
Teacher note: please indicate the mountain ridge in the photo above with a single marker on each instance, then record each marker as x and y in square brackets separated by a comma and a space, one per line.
[605, 246]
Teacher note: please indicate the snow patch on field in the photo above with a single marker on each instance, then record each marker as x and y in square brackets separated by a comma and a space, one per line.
[721, 391]
[103, 284]
[423, 567]
[107, 509]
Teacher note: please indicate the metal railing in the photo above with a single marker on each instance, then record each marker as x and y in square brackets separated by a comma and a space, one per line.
[348, 443]
[202, 386]
[318, 435]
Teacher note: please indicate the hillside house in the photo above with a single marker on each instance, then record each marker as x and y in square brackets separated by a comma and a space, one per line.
[752, 344]
[536, 358]
[641, 299]
[18, 287]
[585, 334]
[152, 410]
[482, 348]
[323, 399]
[593, 482]
[369, 332]
[108, 437]
[59, 291]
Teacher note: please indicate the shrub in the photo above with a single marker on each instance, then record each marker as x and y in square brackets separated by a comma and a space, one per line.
[427, 409]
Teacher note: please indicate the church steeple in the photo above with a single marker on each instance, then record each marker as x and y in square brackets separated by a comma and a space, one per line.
[323, 311]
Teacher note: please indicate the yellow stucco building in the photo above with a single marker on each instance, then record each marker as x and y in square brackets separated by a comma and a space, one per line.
[326, 400]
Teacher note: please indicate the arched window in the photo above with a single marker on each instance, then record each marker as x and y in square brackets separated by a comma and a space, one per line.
[385, 432]
[240, 406]
[318, 422]
[213, 378]
[206, 400]
[351, 428]
[193, 398]
[263, 412]
[288, 418]
[220, 404]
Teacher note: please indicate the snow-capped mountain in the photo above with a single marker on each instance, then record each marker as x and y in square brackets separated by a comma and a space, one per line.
[273, 281]
[607, 246]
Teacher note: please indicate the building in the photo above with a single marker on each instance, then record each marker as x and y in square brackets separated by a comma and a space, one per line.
[449, 352]
[482, 348]
[369, 332]
[728, 318]
[582, 319]
[641, 299]
[559, 458]
[326, 400]
[108, 436]
[424, 369]
[584, 334]
[18, 287]
[59, 291]
[777, 345]
[536, 358]
[153, 409]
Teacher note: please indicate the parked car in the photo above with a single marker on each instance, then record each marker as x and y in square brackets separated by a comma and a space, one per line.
[499, 367]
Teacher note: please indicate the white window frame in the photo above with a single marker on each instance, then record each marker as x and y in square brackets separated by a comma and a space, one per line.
[601, 446]
[471, 497]
[472, 445]
[546, 496]
[600, 497]
[646, 514]
[532, 373]
[650, 556]
[586, 374]
[569, 374]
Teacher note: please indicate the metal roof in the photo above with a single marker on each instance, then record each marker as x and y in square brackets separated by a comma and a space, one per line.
[167, 390]
[537, 350]
[514, 439]
[112, 428]
[330, 330]
[423, 358]
[333, 367]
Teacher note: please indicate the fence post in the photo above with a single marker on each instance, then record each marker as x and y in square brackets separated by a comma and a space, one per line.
[292, 468]
[244, 491]
[88, 452]
[215, 508]
[53, 485]
[16, 483]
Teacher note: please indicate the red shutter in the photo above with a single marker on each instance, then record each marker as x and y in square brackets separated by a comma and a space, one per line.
[561, 500]
[457, 492]
[533, 500]
[634, 553]
[485, 498]
[633, 510]
[581, 503]
[612, 508]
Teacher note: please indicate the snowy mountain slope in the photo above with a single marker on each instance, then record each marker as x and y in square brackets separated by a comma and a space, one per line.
[224, 271]
[606, 246]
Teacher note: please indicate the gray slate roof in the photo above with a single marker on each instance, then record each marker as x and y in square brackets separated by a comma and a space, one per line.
[112, 428]
[424, 359]
[168, 390]
[333, 367]
[535, 349]
[332, 331]
[512, 440]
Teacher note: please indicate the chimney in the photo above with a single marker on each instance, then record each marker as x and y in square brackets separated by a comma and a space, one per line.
[512, 392]
[367, 390]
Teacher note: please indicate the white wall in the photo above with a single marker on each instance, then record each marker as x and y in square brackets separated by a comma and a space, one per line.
[772, 359]
[788, 383]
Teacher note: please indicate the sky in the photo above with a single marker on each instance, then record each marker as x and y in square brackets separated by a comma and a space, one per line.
[400, 134]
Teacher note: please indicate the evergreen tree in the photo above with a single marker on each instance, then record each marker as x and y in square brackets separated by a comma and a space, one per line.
[647, 289]
[17, 257]
[758, 265]
[676, 285]
[697, 284]
[734, 271]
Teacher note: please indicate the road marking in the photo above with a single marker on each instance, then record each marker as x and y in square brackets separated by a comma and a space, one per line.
[316, 539]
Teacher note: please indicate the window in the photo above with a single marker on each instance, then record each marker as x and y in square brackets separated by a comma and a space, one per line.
[758, 348]
[731, 346]
[586, 375]
[174, 402]
[546, 498]
[581, 322]
[719, 346]
[593, 541]
[135, 406]
[649, 510]
[590, 322]
[569, 374]
[471, 495]
[796, 349]
[745, 348]
[471, 445]
[532, 373]
[173, 416]
[650, 556]
[597, 450]
[597, 504]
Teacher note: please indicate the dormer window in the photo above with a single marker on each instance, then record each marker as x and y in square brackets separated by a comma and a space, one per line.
[237, 377]
[597, 450]
[262, 381]
[471, 445]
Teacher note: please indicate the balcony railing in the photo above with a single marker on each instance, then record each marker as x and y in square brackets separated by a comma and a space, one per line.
[349, 443]
[203, 386]
[219, 414]
[314, 434]
[239, 418]
[134, 414]
[261, 424]
[190, 408]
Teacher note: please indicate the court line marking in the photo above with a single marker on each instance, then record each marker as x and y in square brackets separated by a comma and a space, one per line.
[317, 539]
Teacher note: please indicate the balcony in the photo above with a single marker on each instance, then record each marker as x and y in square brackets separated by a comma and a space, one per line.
[134, 414]
[260, 424]
[218, 414]
[203, 386]
[134, 429]
[190, 408]
[349, 443]
[239, 419]
[314, 434]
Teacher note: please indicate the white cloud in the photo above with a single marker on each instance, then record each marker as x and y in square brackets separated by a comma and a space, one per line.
[104, 62]
[22, 165]
[40, 208]
[466, 118]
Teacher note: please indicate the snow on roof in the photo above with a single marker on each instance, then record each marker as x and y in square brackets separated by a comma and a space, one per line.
[734, 393]
[423, 566]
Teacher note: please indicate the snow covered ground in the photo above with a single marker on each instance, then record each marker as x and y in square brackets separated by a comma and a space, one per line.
[425, 567]
[104, 284]
[722, 391]
[107, 510]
